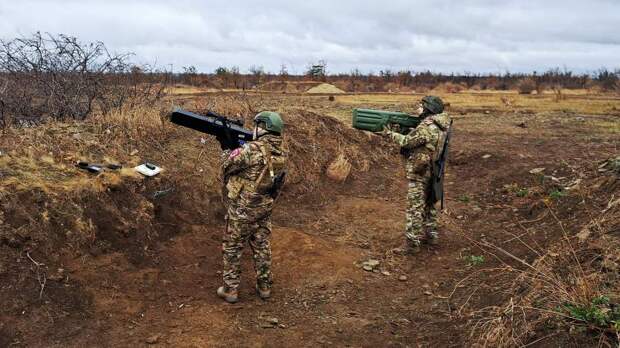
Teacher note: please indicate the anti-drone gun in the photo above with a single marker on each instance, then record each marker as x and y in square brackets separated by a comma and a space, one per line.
[230, 133]
[376, 120]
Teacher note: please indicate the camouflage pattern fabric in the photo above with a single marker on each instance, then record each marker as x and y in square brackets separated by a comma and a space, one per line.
[248, 211]
[245, 224]
[421, 144]
[421, 217]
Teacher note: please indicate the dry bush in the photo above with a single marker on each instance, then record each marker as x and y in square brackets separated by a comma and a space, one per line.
[526, 86]
[391, 87]
[557, 93]
[450, 87]
[139, 122]
[421, 89]
[57, 77]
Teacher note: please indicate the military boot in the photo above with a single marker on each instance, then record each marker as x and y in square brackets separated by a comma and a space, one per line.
[263, 291]
[412, 247]
[432, 238]
[228, 295]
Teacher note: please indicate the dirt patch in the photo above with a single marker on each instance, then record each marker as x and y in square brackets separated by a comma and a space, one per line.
[129, 259]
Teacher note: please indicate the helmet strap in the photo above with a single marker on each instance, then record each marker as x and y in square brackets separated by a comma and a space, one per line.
[258, 132]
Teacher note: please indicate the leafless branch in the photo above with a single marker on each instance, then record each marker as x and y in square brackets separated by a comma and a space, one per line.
[59, 77]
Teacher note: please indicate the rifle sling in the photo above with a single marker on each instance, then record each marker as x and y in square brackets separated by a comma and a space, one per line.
[268, 163]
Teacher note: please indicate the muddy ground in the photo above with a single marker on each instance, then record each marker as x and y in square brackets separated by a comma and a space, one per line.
[157, 286]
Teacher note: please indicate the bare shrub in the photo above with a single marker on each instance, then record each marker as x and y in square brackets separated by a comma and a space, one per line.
[451, 87]
[526, 86]
[58, 77]
[557, 92]
[421, 89]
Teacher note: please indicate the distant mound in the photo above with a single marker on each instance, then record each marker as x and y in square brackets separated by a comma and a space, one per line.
[325, 88]
[289, 86]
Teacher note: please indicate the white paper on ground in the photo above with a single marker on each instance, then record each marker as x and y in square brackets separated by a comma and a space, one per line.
[142, 169]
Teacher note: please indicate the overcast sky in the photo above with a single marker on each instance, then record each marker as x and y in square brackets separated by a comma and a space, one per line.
[438, 35]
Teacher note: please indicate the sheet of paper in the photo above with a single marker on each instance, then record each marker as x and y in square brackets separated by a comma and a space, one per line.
[142, 169]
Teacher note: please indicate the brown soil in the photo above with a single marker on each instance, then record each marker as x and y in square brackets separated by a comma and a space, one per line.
[124, 266]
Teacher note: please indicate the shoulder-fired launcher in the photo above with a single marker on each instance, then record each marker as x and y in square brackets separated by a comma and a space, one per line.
[228, 132]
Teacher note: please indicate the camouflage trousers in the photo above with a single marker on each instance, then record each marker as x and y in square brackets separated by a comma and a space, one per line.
[421, 216]
[253, 225]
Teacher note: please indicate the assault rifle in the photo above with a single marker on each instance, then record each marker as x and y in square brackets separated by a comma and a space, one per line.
[438, 171]
[230, 133]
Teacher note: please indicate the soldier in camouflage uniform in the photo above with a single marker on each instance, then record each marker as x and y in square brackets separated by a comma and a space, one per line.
[420, 146]
[249, 174]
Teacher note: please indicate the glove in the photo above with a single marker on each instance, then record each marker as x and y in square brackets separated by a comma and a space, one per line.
[387, 129]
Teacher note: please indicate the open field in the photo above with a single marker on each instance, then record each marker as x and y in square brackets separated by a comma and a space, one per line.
[118, 260]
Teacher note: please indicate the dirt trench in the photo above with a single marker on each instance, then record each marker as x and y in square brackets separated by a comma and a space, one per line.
[152, 281]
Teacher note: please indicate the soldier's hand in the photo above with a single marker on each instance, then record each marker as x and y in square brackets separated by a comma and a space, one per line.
[386, 129]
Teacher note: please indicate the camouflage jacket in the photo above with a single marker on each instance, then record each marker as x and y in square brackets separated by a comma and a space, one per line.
[249, 168]
[421, 144]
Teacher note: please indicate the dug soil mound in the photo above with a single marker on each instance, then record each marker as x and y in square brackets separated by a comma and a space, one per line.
[288, 86]
[325, 88]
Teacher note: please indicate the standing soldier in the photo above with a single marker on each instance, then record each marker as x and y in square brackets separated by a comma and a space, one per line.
[252, 176]
[422, 148]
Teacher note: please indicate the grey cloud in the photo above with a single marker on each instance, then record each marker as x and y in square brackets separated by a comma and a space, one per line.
[441, 35]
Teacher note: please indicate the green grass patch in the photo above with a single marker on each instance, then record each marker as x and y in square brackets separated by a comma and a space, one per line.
[600, 313]
[474, 260]
[557, 194]
[464, 199]
[523, 192]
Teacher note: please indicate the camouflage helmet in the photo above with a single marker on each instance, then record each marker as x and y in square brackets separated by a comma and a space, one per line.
[270, 121]
[433, 104]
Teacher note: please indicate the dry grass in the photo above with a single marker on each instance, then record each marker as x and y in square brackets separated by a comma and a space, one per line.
[187, 90]
[563, 289]
[44, 157]
[576, 102]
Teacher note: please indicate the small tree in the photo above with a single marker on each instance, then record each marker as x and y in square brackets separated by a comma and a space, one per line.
[317, 71]
[190, 74]
[258, 72]
[283, 72]
[608, 80]
[236, 77]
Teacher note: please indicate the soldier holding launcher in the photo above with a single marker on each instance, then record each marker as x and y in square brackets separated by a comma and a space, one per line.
[252, 175]
[422, 148]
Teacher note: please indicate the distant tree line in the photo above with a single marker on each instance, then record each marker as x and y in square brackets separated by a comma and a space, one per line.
[47, 76]
[406, 80]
